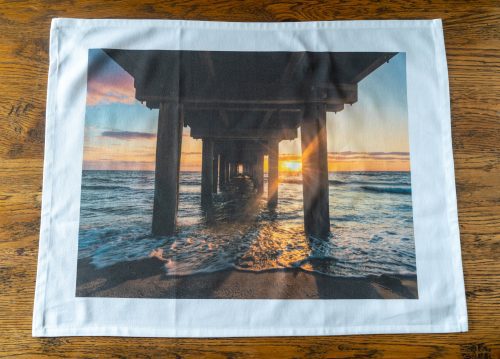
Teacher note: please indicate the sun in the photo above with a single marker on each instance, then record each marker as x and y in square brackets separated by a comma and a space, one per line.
[290, 166]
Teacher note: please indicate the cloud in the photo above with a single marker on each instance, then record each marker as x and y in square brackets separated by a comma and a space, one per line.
[128, 135]
[107, 82]
[110, 90]
[389, 153]
[352, 153]
[386, 156]
[105, 164]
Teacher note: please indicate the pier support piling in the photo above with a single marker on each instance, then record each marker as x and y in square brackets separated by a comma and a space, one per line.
[259, 173]
[168, 153]
[226, 172]
[215, 171]
[207, 172]
[273, 174]
[315, 171]
[222, 170]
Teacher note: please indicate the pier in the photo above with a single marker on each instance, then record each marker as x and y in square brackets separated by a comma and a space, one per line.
[241, 105]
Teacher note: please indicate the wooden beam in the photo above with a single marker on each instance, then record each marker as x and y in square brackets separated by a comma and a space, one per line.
[292, 66]
[315, 185]
[273, 174]
[224, 118]
[268, 101]
[243, 107]
[166, 195]
[373, 66]
[215, 171]
[219, 133]
[227, 172]
[207, 59]
[259, 173]
[267, 117]
[267, 94]
[334, 108]
[234, 169]
[222, 170]
[207, 172]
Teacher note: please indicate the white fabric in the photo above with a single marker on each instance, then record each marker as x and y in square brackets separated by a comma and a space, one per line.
[441, 306]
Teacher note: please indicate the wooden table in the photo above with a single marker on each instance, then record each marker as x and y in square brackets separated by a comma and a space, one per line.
[472, 37]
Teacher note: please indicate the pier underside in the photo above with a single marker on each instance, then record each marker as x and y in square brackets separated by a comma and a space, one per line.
[241, 105]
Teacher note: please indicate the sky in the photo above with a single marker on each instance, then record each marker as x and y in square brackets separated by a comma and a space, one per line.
[370, 135]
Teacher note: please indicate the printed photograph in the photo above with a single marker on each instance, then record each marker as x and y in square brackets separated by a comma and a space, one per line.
[246, 175]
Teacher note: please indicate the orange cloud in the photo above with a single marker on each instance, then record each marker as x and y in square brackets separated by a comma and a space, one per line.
[102, 90]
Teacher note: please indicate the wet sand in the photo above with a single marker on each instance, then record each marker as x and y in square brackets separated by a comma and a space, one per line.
[146, 278]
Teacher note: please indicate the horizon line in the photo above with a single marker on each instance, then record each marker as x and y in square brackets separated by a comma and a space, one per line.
[195, 171]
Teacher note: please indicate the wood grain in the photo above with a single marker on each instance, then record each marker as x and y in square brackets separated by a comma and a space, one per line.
[472, 42]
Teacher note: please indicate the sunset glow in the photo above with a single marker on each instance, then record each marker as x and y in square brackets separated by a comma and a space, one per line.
[290, 166]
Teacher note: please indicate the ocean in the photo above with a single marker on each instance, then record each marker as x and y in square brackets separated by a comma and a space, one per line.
[370, 214]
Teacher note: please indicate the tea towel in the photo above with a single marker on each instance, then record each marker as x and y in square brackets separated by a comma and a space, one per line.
[248, 179]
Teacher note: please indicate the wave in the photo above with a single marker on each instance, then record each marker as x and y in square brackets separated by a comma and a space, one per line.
[343, 183]
[299, 181]
[377, 187]
[337, 182]
[395, 190]
[291, 180]
[107, 188]
[382, 183]
[190, 183]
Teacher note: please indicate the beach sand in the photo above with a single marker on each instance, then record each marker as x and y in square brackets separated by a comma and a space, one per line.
[146, 278]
